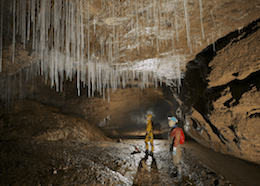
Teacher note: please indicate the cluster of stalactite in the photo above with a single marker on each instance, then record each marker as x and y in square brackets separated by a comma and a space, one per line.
[59, 32]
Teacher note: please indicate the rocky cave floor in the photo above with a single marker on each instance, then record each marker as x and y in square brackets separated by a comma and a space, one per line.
[98, 163]
[40, 146]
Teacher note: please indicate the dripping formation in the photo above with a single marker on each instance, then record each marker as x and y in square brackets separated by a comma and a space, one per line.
[67, 40]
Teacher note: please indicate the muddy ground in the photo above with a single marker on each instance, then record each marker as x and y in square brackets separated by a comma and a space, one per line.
[27, 162]
[40, 146]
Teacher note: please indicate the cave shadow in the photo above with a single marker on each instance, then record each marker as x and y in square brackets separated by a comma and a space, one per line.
[146, 174]
[239, 87]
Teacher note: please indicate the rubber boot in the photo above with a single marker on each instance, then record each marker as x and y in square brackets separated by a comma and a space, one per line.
[146, 152]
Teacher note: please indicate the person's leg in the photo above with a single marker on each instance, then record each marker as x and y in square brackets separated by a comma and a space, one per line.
[151, 141]
[176, 161]
[176, 158]
[146, 141]
[178, 155]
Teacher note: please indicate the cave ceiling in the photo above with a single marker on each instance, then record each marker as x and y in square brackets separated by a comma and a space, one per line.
[108, 42]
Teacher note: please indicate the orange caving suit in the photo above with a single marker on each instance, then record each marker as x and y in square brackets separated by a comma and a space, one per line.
[149, 134]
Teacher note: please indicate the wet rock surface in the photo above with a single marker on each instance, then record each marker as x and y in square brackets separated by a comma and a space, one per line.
[224, 99]
[65, 149]
[97, 163]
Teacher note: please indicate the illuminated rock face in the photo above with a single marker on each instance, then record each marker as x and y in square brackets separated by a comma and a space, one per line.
[225, 112]
[104, 45]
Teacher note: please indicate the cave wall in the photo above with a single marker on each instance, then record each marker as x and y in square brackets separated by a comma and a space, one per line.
[122, 116]
[225, 98]
[33, 121]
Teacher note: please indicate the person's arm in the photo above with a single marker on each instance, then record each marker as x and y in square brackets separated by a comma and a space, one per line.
[173, 134]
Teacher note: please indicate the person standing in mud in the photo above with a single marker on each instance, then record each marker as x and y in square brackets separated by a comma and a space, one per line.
[149, 134]
[177, 136]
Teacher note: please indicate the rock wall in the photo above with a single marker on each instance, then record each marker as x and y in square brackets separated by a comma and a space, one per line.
[225, 99]
[31, 120]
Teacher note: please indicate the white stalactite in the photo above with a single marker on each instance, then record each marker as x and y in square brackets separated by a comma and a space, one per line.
[13, 42]
[78, 32]
[214, 49]
[176, 22]
[56, 29]
[137, 31]
[33, 21]
[187, 25]
[42, 34]
[23, 23]
[29, 20]
[1, 35]
[201, 18]
[88, 54]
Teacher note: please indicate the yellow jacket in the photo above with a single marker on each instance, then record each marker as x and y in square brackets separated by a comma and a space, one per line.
[149, 126]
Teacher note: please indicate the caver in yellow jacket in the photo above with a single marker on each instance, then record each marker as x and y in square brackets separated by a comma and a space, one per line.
[149, 133]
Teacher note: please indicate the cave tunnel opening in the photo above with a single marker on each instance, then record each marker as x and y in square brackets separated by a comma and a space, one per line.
[124, 116]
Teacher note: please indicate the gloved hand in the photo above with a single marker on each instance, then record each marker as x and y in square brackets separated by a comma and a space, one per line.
[174, 150]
